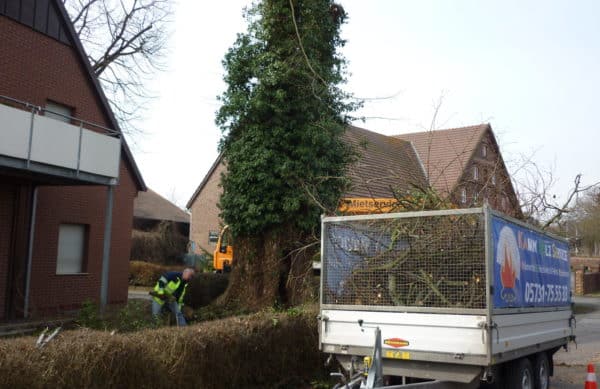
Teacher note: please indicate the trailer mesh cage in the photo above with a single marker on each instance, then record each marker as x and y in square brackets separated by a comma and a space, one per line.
[432, 261]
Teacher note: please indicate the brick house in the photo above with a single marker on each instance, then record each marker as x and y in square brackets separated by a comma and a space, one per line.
[67, 177]
[462, 164]
[465, 165]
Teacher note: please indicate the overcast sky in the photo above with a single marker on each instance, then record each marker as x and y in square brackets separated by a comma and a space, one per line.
[529, 68]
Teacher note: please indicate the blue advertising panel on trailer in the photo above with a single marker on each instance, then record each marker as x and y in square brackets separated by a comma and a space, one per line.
[530, 269]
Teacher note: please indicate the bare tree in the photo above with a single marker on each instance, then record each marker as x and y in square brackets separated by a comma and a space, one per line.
[535, 187]
[125, 42]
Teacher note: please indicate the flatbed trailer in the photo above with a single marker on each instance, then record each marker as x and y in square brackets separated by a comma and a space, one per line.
[466, 296]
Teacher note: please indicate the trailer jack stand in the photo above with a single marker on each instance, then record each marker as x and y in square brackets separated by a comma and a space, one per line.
[375, 373]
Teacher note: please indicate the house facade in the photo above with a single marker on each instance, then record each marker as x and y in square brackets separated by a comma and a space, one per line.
[462, 164]
[385, 164]
[465, 165]
[67, 177]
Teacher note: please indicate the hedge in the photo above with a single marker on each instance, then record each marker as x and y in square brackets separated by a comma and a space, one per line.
[263, 350]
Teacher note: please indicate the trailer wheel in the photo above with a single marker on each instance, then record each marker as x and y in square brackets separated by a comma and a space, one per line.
[519, 375]
[541, 369]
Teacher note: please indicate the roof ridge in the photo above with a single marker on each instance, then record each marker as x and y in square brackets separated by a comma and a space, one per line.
[393, 138]
[482, 127]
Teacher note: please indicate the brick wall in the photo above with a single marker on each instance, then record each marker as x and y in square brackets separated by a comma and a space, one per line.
[485, 187]
[36, 68]
[590, 264]
[205, 212]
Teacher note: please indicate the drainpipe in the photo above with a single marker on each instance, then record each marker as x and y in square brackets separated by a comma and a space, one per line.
[30, 251]
[106, 254]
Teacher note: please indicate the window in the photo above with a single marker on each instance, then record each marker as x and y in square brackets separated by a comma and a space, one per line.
[493, 179]
[463, 196]
[484, 151]
[58, 111]
[475, 198]
[71, 248]
[503, 203]
[213, 236]
[475, 173]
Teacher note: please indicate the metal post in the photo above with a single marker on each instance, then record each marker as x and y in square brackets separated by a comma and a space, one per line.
[375, 376]
[489, 274]
[30, 252]
[30, 137]
[106, 253]
[79, 148]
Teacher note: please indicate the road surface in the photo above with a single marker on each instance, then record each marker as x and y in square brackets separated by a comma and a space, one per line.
[571, 366]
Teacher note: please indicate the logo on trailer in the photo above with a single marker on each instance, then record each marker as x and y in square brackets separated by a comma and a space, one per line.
[509, 261]
[396, 342]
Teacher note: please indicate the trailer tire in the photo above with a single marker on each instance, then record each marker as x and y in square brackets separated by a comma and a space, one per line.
[519, 374]
[541, 371]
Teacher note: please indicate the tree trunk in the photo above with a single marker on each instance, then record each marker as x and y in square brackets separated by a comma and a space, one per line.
[266, 274]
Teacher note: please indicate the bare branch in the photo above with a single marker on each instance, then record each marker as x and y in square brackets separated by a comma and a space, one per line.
[126, 42]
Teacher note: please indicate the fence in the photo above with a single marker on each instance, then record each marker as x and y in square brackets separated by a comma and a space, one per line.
[586, 283]
[434, 261]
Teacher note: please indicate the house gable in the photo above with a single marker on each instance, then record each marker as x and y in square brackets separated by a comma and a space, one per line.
[445, 153]
[41, 15]
[42, 62]
[490, 182]
[204, 208]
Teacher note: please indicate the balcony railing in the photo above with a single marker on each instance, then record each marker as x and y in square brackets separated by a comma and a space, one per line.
[31, 141]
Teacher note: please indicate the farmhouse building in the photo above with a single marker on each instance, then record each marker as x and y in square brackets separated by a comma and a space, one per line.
[67, 177]
[464, 165]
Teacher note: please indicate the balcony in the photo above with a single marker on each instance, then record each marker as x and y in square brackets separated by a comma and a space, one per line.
[52, 150]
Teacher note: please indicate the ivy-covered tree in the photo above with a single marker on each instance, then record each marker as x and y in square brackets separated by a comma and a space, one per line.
[282, 117]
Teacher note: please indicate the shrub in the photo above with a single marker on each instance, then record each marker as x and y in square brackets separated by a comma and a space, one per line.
[134, 316]
[263, 350]
[146, 274]
[164, 245]
[205, 288]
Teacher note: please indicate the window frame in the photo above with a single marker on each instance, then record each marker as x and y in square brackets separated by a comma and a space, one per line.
[475, 173]
[82, 261]
[53, 108]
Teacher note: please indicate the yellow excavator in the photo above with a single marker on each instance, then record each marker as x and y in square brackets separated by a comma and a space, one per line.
[223, 254]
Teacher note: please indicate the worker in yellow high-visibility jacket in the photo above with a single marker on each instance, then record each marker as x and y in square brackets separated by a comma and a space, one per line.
[169, 292]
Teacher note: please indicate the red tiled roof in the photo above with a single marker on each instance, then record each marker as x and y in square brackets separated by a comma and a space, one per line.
[445, 153]
[385, 165]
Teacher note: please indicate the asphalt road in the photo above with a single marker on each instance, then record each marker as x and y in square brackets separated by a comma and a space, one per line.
[570, 367]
